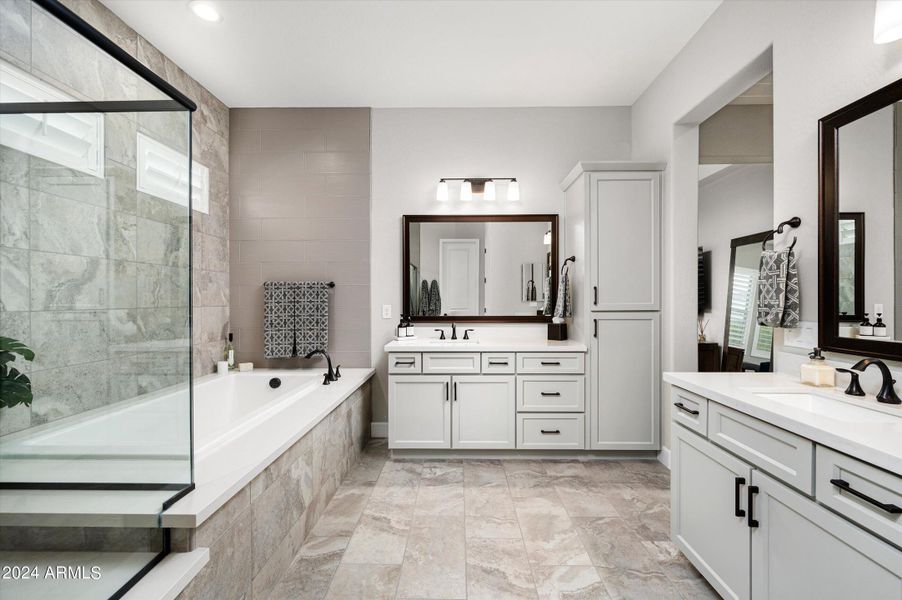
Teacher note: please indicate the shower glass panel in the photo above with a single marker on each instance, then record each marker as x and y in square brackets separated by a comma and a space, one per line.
[95, 296]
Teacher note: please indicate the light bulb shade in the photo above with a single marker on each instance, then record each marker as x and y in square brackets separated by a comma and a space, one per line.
[513, 191]
[488, 193]
[441, 191]
[466, 191]
[887, 21]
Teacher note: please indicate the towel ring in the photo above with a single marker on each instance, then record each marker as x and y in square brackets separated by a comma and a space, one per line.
[793, 222]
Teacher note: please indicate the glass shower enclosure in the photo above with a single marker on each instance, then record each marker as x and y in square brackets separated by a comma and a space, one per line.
[95, 302]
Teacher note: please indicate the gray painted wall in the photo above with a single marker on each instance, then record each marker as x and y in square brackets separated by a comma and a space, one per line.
[300, 211]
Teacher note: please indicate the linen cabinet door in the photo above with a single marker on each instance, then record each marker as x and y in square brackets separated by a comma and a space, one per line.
[625, 242]
[802, 551]
[624, 403]
[484, 412]
[708, 489]
[419, 411]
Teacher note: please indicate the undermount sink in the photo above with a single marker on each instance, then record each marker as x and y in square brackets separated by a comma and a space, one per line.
[450, 342]
[827, 407]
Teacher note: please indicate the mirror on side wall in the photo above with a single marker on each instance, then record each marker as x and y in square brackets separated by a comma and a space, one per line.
[497, 268]
[748, 345]
[861, 214]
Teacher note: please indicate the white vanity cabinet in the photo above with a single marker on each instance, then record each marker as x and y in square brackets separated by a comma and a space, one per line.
[493, 400]
[744, 512]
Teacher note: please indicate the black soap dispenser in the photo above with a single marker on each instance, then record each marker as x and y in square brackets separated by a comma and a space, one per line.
[865, 328]
[880, 327]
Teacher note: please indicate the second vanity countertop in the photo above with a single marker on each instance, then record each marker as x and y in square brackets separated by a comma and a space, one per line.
[879, 443]
[484, 345]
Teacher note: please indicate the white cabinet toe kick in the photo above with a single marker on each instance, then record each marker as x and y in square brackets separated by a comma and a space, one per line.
[764, 512]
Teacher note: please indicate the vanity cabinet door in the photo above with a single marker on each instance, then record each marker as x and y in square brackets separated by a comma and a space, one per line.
[625, 241]
[708, 500]
[624, 403]
[802, 551]
[484, 412]
[419, 411]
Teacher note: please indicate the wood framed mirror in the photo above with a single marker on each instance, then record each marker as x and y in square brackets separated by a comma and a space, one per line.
[489, 268]
[860, 186]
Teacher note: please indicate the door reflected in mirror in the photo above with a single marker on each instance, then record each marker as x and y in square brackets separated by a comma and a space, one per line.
[489, 267]
[869, 269]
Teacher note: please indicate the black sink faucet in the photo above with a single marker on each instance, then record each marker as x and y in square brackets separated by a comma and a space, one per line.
[453, 331]
[330, 376]
[887, 393]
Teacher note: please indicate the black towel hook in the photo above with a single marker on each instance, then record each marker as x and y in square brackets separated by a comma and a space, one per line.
[567, 260]
[793, 222]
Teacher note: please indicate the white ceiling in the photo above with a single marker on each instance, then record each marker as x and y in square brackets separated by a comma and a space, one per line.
[422, 53]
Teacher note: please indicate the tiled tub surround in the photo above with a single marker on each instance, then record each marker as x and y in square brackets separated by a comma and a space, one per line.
[300, 211]
[93, 263]
[494, 530]
[262, 515]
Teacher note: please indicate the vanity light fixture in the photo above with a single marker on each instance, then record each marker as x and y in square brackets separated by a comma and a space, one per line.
[887, 21]
[205, 10]
[441, 192]
[466, 191]
[478, 185]
[488, 193]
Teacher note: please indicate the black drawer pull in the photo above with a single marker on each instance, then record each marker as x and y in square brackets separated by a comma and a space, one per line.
[595, 294]
[740, 481]
[551, 393]
[498, 363]
[682, 406]
[405, 363]
[551, 363]
[550, 431]
[844, 485]
[753, 522]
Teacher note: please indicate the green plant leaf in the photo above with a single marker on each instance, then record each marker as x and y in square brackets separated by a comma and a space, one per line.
[10, 347]
[15, 388]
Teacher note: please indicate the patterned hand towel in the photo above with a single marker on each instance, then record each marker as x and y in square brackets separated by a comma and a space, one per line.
[424, 298]
[778, 289]
[295, 318]
[435, 299]
[564, 305]
[546, 296]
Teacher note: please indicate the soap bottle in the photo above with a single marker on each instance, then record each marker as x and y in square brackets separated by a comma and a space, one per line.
[816, 372]
[865, 328]
[880, 327]
[402, 327]
[230, 352]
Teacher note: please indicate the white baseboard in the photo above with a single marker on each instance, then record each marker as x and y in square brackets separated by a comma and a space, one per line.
[664, 457]
[379, 429]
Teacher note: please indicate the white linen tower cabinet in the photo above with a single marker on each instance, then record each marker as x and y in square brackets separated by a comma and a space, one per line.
[613, 228]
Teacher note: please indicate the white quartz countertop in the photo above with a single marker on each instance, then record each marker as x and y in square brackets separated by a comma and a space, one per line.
[879, 443]
[223, 473]
[484, 345]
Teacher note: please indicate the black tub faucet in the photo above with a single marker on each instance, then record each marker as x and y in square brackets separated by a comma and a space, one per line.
[330, 376]
[887, 393]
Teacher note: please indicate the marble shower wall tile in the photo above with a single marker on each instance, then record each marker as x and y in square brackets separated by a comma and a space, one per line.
[14, 219]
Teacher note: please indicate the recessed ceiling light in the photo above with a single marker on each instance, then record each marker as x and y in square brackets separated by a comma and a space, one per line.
[205, 11]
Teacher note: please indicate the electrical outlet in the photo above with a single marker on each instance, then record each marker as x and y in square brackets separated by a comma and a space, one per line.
[386, 311]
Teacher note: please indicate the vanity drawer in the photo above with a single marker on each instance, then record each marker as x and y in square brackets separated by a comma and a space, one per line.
[551, 362]
[689, 410]
[781, 453]
[882, 491]
[447, 363]
[498, 362]
[404, 362]
[551, 431]
[551, 393]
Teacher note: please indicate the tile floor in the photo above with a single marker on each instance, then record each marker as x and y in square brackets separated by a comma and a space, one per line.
[494, 529]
